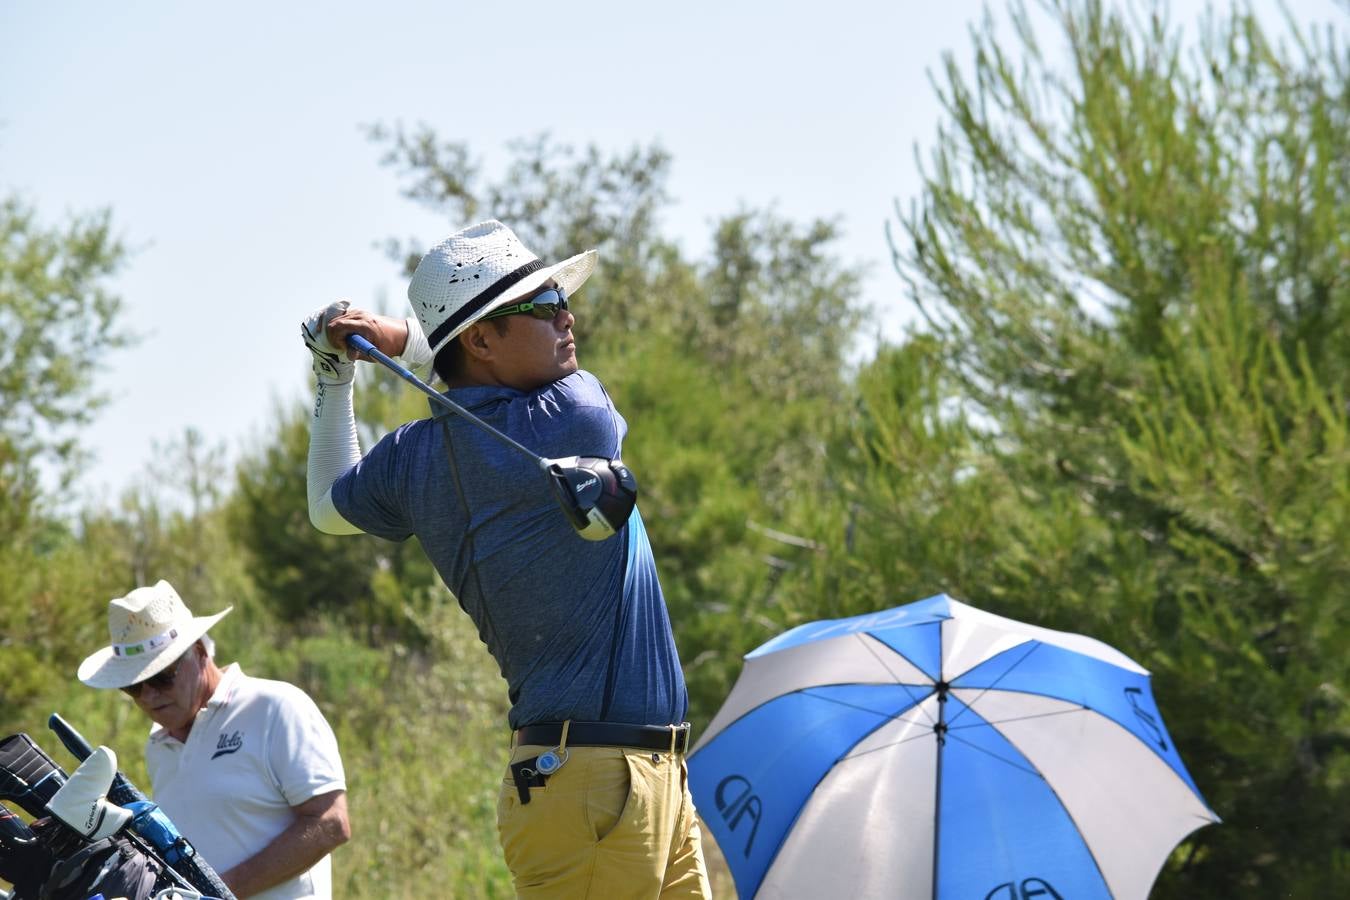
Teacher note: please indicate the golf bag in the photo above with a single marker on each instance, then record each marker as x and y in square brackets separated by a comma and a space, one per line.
[49, 860]
[24, 862]
[149, 822]
[114, 867]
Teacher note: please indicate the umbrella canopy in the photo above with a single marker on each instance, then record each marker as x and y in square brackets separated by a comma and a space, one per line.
[938, 751]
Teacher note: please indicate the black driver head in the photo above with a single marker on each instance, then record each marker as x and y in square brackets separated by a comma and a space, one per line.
[598, 495]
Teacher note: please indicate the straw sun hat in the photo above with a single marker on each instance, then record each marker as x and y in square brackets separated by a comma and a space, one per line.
[150, 628]
[474, 271]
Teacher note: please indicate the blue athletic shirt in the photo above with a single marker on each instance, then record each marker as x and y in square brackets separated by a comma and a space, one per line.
[579, 628]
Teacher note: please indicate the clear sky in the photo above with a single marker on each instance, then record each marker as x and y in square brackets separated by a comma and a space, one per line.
[226, 140]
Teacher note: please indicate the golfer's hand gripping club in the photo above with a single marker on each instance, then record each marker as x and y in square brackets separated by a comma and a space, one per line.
[330, 364]
[597, 495]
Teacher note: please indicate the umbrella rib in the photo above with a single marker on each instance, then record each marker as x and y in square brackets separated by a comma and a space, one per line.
[979, 725]
[976, 699]
[1059, 712]
[867, 645]
[867, 709]
[1001, 759]
[919, 736]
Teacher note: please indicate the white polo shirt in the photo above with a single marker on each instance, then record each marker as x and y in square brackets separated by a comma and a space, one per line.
[256, 749]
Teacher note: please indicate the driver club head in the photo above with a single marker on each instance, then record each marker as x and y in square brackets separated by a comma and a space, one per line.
[597, 494]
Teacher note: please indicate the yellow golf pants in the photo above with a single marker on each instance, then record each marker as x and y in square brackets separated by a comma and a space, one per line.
[613, 822]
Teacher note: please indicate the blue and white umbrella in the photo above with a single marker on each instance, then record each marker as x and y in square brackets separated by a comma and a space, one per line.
[938, 751]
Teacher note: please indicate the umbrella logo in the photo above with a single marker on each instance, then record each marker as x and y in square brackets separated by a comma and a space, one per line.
[1027, 890]
[1146, 718]
[744, 803]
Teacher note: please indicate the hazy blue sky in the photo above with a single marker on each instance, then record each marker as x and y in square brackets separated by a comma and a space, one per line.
[226, 140]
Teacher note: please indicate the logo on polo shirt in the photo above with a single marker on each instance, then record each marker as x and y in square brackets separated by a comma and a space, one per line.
[227, 745]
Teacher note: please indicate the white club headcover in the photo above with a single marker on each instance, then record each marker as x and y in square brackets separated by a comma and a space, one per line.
[82, 802]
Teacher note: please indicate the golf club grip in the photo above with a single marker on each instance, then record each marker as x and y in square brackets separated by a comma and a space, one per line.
[122, 790]
[194, 869]
[361, 345]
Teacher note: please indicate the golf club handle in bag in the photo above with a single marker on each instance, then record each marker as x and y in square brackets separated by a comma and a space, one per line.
[149, 820]
[122, 791]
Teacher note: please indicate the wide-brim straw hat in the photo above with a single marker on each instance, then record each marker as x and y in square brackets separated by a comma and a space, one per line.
[474, 271]
[150, 628]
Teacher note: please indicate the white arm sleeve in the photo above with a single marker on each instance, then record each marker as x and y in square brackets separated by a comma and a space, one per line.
[333, 449]
[416, 352]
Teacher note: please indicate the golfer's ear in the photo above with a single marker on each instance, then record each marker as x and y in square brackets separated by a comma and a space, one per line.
[475, 342]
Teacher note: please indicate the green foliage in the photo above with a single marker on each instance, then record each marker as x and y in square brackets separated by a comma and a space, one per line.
[59, 319]
[1133, 269]
[422, 734]
[55, 602]
[923, 509]
[305, 574]
[47, 626]
[1246, 452]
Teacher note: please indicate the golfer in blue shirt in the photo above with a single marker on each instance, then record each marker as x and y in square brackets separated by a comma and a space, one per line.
[594, 802]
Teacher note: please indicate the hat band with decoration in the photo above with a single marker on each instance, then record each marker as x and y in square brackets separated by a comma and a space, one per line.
[486, 296]
[142, 647]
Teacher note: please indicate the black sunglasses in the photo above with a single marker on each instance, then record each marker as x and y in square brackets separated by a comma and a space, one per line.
[544, 305]
[160, 681]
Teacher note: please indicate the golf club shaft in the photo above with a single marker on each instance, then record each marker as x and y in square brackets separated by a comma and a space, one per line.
[122, 790]
[360, 344]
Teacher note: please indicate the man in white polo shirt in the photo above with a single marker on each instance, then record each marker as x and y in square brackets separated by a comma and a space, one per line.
[247, 768]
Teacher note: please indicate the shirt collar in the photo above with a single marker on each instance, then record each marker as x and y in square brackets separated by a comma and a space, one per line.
[230, 677]
[475, 397]
[478, 398]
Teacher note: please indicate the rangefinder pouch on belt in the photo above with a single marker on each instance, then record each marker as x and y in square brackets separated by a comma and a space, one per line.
[534, 772]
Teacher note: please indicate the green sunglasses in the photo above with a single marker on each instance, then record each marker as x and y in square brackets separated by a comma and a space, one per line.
[544, 305]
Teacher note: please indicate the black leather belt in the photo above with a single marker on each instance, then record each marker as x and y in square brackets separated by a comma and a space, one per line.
[607, 734]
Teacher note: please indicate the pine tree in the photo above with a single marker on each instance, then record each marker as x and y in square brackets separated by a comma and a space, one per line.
[1134, 269]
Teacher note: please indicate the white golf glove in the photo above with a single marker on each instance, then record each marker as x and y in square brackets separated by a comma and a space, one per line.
[330, 364]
